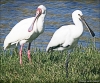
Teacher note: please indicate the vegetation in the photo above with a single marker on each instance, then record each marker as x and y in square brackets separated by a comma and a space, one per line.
[84, 66]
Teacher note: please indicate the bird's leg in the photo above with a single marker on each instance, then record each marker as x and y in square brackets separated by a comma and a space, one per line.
[67, 61]
[20, 53]
[16, 50]
[29, 52]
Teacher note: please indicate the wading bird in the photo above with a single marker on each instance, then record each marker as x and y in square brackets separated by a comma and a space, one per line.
[67, 36]
[26, 30]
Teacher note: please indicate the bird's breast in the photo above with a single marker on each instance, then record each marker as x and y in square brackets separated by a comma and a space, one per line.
[33, 36]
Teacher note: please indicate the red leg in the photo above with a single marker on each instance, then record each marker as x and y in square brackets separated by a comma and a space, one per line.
[28, 52]
[20, 53]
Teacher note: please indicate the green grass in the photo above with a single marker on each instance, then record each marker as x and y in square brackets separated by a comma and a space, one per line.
[84, 65]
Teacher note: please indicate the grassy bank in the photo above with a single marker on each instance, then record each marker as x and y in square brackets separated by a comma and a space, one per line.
[84, 65]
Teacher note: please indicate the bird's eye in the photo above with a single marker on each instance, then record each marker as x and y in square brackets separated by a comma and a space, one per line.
[79, 14]
[44, 12]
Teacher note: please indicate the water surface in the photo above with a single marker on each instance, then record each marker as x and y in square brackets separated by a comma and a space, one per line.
[58, 14]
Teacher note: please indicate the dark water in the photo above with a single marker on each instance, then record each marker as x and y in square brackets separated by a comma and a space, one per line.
[58, 14]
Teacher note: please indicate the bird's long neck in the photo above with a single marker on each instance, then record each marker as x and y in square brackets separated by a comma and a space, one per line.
[79, 25]
[40, 23]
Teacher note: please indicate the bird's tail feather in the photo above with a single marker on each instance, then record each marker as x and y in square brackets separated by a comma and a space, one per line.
[5, 45]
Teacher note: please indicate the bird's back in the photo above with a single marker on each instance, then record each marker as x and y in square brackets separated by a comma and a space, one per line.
[59, 37]
[18, 32]
[66, 35]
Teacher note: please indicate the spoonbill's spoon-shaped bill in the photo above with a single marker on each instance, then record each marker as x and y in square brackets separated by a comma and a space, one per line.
[90, 30]
[38, 13]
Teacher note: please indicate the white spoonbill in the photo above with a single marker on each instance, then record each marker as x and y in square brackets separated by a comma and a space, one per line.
[26, 31]
[67, 36]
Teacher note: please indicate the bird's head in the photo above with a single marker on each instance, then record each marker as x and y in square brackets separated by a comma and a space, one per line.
[41, 10]
[77, 14]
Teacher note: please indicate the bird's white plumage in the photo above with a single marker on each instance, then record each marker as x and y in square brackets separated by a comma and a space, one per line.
[20, 34]
[68, 34]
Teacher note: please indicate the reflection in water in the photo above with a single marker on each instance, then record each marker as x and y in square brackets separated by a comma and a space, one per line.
[58, 14]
